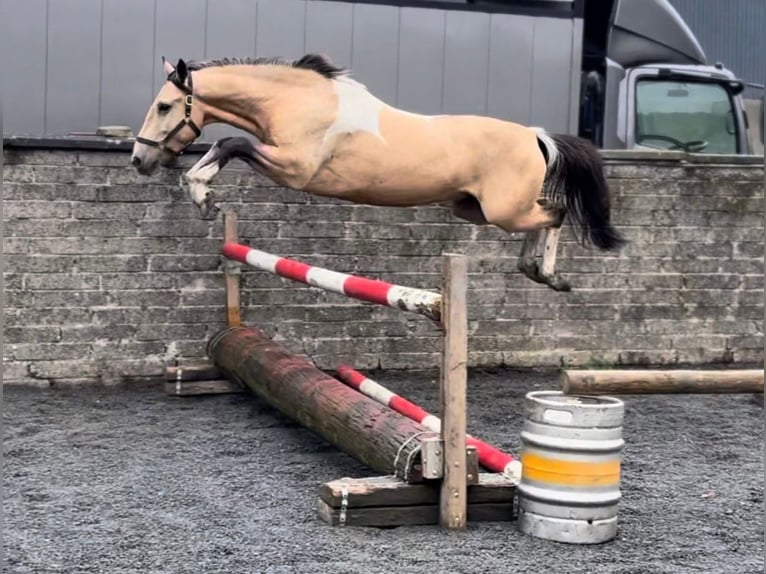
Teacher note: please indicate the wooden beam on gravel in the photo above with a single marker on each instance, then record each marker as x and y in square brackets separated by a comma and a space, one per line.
[386, 501]
[640, 382]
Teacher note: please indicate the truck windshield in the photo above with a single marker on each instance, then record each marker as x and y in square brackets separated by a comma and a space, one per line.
[693, 116]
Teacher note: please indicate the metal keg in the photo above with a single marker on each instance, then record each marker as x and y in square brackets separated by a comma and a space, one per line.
[571, 457]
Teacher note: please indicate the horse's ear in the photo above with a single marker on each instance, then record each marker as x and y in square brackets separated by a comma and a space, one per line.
[181, 70]
[167, 67]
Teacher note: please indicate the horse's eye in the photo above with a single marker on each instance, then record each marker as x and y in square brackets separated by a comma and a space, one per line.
[163, 108]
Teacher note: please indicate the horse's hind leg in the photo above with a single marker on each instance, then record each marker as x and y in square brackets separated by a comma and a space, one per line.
[527, 258]
[547, 272]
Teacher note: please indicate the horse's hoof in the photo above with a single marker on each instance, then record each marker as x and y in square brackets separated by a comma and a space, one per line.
[208, 209]
[532, 270]
[558, 283]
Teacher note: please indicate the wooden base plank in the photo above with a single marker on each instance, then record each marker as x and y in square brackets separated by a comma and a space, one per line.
[390, 516]
[390, 491]
[193, 372]
[213, 387]
[386, 501]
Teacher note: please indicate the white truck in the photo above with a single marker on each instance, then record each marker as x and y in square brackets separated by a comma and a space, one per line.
[646, 84]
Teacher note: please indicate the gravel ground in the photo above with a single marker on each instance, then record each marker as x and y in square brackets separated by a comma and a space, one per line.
[127, 479]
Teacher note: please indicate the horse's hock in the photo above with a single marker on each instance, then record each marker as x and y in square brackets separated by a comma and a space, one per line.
[110, 275]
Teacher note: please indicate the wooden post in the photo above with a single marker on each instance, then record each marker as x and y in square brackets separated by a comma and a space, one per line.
[231, 272]
[453, 499]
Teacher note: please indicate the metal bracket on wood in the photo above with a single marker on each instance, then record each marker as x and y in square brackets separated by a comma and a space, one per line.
[432, 459]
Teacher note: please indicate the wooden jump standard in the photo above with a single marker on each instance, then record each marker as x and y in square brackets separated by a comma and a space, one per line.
[408, 452]
[629, 382]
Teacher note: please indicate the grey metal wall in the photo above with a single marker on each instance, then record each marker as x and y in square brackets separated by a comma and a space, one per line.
[732, 32]
[72, 65]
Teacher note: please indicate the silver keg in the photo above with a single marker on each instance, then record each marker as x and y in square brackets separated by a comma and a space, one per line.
[571, 458]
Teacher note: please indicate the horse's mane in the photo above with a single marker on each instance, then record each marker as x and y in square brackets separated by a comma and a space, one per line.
[315, 62]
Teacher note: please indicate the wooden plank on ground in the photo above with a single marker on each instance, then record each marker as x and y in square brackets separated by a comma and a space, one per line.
[199, 371]
[213, 387]
[386, 501]
[412, 515]
[390, 491]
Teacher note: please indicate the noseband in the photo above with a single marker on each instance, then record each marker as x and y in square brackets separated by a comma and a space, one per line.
[186, 121]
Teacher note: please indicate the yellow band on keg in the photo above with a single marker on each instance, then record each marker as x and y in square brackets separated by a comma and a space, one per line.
[570, 472]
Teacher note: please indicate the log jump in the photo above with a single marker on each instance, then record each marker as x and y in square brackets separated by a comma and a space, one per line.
[640, 382]
[376, 435]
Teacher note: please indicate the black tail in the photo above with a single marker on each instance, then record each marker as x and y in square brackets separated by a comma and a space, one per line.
[578, 168]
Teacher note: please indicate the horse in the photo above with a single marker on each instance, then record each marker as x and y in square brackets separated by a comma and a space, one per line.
[318, 130]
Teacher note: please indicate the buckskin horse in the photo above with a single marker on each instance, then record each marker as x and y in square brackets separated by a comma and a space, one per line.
[319, 131]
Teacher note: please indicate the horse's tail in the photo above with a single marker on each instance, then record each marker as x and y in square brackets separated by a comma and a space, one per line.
[576, 178]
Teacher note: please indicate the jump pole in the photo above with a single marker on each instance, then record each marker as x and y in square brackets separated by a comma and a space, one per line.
[448, 309]
[679, 381]
[490, 456]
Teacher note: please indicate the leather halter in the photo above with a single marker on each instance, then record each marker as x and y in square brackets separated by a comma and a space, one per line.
[186, 121]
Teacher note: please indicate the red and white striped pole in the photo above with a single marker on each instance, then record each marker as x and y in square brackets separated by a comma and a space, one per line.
[489, 456]
[420, 301]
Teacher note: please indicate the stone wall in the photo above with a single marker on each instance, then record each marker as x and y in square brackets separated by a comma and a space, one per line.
[109, 275]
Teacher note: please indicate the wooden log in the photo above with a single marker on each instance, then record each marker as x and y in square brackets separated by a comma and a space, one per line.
[628, 382]
[378, 437]
[453, 513]
[192, 372]
[386, 501]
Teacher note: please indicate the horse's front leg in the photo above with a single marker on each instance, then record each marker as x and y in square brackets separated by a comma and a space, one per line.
[199, 176]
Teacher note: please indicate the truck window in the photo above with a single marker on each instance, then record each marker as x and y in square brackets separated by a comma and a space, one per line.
[696, 116]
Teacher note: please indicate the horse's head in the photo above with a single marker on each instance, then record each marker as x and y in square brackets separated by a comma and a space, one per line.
[171, 123]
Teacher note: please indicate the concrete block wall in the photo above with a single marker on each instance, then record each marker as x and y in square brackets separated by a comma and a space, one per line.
[110, 276]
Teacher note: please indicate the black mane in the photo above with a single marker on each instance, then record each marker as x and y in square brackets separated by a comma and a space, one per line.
[314, 62]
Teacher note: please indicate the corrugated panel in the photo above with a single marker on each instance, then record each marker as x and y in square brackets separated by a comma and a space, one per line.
[281, 28]
[421, 60]
[180, 34]
[731, 32]
[74, 66]
[466, 59]
[23, 30]
[230, 32]
[510, 67]
[126, 75]
[329, 30]
[551, 74]
[424, 60]
[375, 55]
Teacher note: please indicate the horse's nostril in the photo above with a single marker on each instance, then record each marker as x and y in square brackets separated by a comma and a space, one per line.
[136, 161]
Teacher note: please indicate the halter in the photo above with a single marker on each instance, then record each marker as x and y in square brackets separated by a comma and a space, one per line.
[186, 121]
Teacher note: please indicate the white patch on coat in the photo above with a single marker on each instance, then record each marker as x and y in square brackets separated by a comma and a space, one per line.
[358, 109]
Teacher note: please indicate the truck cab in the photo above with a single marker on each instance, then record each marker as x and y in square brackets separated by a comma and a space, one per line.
[646, 83]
